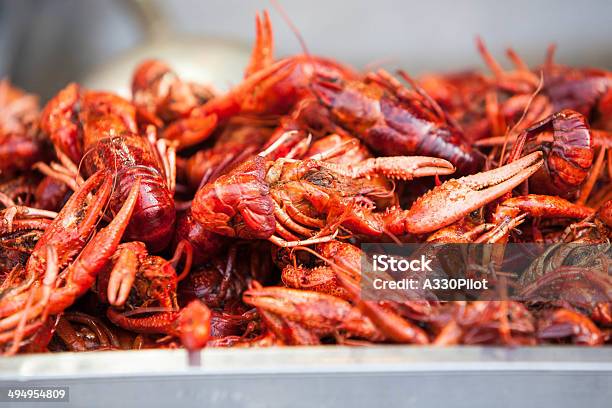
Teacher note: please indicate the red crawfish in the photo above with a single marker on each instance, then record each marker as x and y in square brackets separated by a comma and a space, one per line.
[339, 275]
[345, 261]
[321, 277]
[393, 120]
[220, 281]
[284, 199]
[204, 243]
[100, 129]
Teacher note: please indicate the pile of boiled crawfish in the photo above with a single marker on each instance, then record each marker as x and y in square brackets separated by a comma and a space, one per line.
[187, 217]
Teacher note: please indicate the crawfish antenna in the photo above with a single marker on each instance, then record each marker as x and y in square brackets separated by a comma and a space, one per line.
[515, 151]
[300, 39]
[292, 26]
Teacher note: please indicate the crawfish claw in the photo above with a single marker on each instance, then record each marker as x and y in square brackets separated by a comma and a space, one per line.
[124, 272]
[456, 198]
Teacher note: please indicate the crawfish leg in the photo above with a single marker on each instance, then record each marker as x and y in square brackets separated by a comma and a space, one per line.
[8, 215]
[286, 220]
[166, 153]
[501, 231]
[289, 244]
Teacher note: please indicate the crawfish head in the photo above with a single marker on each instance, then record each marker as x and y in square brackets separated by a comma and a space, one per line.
[238, 203]
[107, 113]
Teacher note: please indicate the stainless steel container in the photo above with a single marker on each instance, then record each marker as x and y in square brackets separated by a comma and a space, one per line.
[385, 376]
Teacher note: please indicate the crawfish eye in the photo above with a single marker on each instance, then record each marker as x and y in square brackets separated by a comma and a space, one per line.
[320, 178]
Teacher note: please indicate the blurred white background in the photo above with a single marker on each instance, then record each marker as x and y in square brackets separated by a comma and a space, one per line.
[44, 44]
